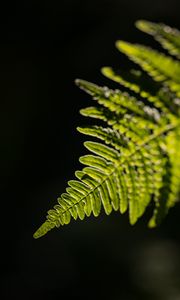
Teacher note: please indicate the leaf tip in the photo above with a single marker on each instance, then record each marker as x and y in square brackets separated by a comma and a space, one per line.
[43, 229]
[140, 24]
[106, 71]
[124, 47]
[77, 81]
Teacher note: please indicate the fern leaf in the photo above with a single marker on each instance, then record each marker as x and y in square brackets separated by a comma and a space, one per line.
[162, 68]
[168, 37]
[137, 159]
[108, 135]
[170, 191]
[135, 82]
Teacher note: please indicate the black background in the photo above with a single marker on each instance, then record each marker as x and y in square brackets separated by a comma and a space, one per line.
[44, 46]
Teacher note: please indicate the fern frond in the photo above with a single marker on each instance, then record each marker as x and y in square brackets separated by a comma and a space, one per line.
[170, 191]
[134, 80]
[162, 68]
[157, 95]
[137, 159]
[168, 37]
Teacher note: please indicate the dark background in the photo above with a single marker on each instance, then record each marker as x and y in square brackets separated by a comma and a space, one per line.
[44, 46]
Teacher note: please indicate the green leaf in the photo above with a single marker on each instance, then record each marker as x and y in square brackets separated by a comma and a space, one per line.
[168, 37]
[137, 159]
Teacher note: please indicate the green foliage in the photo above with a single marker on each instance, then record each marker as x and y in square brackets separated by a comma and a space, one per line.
[137, 161]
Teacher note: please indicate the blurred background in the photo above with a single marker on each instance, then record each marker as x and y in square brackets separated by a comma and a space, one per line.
[44, 46]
